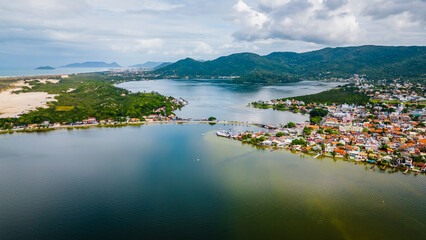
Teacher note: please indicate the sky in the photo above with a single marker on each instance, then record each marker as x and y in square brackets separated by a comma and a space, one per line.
[58, 32]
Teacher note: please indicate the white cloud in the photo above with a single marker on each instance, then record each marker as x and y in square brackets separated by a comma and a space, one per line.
[330, 22]
[309, 21]
[133, 31]
[203, 48]
[140, 45]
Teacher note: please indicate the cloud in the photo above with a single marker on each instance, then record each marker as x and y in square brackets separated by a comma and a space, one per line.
[134, 31]
[139, 45]
[132, 6]
[381, 9]
[310, 21]
[327, 22]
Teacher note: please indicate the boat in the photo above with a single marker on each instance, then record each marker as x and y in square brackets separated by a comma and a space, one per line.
[372, 166]
[222, 133]
[406, 171]
[383, 168]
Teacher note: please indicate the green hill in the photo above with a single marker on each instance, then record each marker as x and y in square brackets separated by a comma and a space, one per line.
[232, 65]
[377, 62]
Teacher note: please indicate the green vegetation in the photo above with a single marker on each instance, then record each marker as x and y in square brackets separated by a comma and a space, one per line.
[340, 95]
[307, 131]
[315, 120]
[212, 119]
[94, 96]
[267, 77]
[64, 108]
[318, 113]
[291, 125]
[376, 62]
[299, 142]
[233, 65]
[279, 134]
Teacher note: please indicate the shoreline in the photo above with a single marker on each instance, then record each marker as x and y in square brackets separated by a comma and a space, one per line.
[272, 149]
[108, 125]
[313, 155]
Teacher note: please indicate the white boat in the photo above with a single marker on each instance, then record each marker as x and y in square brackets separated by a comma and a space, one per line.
[222, 133]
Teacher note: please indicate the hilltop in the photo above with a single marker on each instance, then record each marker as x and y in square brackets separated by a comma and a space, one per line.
[150, 65]
[376, 62]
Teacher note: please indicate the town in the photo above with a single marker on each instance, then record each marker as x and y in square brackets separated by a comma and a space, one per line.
[389, 131]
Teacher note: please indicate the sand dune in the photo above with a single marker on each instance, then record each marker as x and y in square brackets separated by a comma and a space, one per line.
[13, 105]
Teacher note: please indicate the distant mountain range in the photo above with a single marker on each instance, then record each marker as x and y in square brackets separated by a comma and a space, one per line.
[92, 65]
[151, 65]
[45, 68]
[377, 62]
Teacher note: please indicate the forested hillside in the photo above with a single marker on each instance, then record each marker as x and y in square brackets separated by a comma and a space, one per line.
[376, 62]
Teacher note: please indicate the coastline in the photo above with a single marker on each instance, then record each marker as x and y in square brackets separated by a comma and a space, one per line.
[373, 166]
[107, 125]
[388, 169]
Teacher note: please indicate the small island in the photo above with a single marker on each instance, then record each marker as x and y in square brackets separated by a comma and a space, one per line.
[45, 68]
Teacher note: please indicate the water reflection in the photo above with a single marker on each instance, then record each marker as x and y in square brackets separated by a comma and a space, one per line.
[228, 101]
[146, 183]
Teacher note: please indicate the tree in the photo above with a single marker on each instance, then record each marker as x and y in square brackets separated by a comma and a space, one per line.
[316, 120]
[291, 125]
[384, 147]
[279, 134]
[212, 119]
[318, 113]
[307, 130]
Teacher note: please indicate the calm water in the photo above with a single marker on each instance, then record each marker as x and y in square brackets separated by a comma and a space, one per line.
[146, 183]
[227, 101]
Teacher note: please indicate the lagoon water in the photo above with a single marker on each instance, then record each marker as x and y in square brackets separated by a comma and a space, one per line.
[180, 181]
[172, 182]
[227, 101]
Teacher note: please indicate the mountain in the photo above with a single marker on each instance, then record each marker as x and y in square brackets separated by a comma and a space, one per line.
[164, 64]
[92, 65]
[233, 65]
[148, 65]
[267, 78]
[377, 62]
[45, 68]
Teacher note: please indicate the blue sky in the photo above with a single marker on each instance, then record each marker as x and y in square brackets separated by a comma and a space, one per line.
[57, 32]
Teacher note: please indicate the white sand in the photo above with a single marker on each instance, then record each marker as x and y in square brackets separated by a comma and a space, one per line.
[13, 105]
[44, 81]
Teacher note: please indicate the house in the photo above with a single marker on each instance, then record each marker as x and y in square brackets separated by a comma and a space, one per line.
[32, 126]
[266, 143]
[340, 152]
[91, 120]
